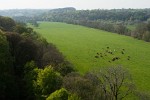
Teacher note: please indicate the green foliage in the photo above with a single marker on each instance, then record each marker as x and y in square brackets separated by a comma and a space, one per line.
[4, 52]
[61, 94]
[74, 97]
[29, 66]
[140, 28]
[21, 55]
[65, 68]
[22, 29]
[83, 87]
[7, 82]
[146, 36]
[30, 46]
[69, 13]
[25, 47]
[34, 23]
[116, 83]
[30, 76]
[48, 80]
[23, 50]
[7, 24]
[71, 16]
[142, 31]
[51, 56]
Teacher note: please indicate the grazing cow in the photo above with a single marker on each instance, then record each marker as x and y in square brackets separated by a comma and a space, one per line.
[128, 58]
[110, 52]
[96, 56]
[117, 58]
[109, 61]
[122, 52]
[113, 59]
[107, 47]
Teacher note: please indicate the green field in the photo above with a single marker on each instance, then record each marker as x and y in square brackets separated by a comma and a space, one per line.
[80, 45]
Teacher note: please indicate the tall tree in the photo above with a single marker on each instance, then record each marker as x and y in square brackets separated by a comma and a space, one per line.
[7, 82]
[48, 81]
[116, 83]
[7, 24]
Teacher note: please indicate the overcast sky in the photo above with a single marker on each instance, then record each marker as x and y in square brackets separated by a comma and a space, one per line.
[78, 4]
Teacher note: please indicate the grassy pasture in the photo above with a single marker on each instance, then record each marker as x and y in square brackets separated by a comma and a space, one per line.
[80, 46]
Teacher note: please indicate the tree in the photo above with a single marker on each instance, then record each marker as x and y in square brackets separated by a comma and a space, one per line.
[64, 68]
[61, 94]
[23, 50]
[146, 36]
[120, 28]
[22, 29]
[74, 97]
[7, 79]
[30, 76]
[141, 29]
[48, 81]
[7, 24]
[116, 83]
[51, 56]
[76, 84]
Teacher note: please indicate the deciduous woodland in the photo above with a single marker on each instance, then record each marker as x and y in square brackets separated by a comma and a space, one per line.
[33, 69]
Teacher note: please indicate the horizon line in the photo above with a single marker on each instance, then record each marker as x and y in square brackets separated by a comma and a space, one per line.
[66, 7]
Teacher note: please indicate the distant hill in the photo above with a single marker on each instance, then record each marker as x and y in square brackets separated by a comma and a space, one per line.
[32, 12]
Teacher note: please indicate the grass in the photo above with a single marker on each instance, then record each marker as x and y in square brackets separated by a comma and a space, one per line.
[80, 45]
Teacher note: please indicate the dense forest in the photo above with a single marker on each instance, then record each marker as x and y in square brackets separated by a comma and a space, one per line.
[33, 69]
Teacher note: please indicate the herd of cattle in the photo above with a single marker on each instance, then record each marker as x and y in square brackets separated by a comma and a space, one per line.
[107, 52]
